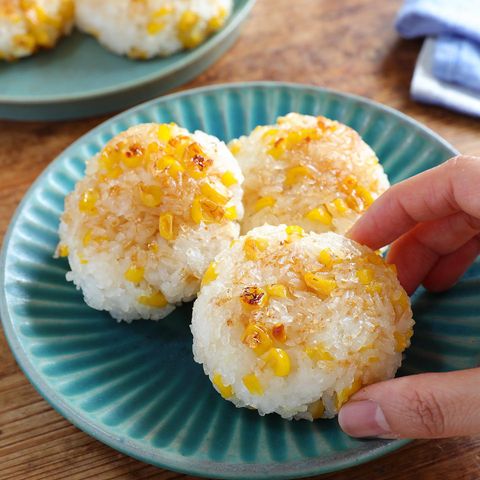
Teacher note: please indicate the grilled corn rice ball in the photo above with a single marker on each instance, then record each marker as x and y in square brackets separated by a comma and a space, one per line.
[155, 207]
[307, 171]
[28, 25]
[295, 323]
[144, 29]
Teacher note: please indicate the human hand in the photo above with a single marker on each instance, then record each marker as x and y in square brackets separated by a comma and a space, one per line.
[433, 220]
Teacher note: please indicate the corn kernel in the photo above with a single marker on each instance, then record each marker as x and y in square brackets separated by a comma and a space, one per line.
[234, 147]
[279, 333]
[270, 133]
[134, 274]
[264, 202]
[402, 340]
[393, 268]
[229, 179]
[164, 132]
[279, 361]
[63, 250]
[325, 257]
[172, 165]
[346, 393]
[295, 230]
[373, 359]
[196, 211]
[218, 195]
[278, 148]
[133, 156]
[365, 195]
[294, 174]
[231, 213]
[156, 300]
[155, 27]
[257, 338]
[87, 238]
[321, 285]
[153, 247]
[210, 274]
[187, 33]
[88, 200]
[254, 297]
[226, 391]
[150, 195]
[339, 205]
[216, 22]
[375, 287]
[318, 353]
[254, 246]
[317, 409]
[82, 259]
[320, 215]
[365, 276]
[277, 290]
[252, 383]
[165, 226]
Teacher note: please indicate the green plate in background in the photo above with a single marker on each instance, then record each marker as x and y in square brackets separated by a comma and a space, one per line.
[80, 78]
[135, 387]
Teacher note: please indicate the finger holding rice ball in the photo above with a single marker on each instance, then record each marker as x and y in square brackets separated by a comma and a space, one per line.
[155, 207]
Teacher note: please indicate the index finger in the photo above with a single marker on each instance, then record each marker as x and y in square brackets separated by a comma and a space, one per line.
[427, 196]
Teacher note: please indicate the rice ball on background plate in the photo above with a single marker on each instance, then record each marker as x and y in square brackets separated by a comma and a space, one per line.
[307, 171]
[155, 207]
[295, 323]
[28, 25]
[144, 29]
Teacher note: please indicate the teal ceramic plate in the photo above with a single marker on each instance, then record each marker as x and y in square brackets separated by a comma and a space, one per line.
[79, 78]
[135, 387]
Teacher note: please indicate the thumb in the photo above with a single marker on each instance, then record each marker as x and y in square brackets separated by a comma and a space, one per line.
[430, 405]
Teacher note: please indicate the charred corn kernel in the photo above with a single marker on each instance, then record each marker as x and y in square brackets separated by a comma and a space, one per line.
[87, 238]
[317, 409]
[264, 202]
[133, 156]
[346, 393]
[63, 251]
[229, 179]
[277, 290]
[374, 287]
[134, 274]
[254, 246]
[165, 226]
[216, 22]
[88, 201]
[257, 338]
[278, 148]
[254, 297]
[279, 332]
[339, 205]
[210, 274]
[319, 215]
[234, 147]
[325, 257]
[294, 174]
[321, 285]
[156, 300]
[155, 27]
[252, 383]
[318, 353]
[365, 275]
[218, 194]
[226, 391]
[279, 361]
[365, 195]
[164, 132]
[231, 213]
[153, 247]
[150, 195]
[402, 340]
[295, 230]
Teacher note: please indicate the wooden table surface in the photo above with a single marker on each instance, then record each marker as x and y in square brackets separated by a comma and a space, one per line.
[349, 45]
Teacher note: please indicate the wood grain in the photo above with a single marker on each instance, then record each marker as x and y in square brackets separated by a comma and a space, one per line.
[349, 45]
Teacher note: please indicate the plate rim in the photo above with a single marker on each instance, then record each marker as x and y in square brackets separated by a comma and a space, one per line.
[199, 468]
[235, 21]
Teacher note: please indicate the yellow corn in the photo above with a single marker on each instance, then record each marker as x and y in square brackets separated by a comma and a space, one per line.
[325, 257]
[279, 361]
[254, 246]
[216, 22]
[156, 300]
[319, 215]
[321, 285]
[254, 297]
[318, 353]
[226, 391]
[218, 195]
[402, 340]
[164, 132]
[252, 383]
[346, 393]
[155, 27]
[134, 274]
[63, 250]
[187, 33]
[279, 333]
[257, 338]
[317, 409]
[153, 247]
[373, 359]
[374, 287]
[234, 147]
[264, 202]
[150, 195]
[339, 205]
[365, 195]
[196, 211]
[88, 200]
[295, 230]
[294, 174]
[210, 274]
[165, 226]
[278, 148]
[365, 275]
[277, 290]
[87, 238]
[229, 179]
[231, 213]
[172, 165]
[82, 259]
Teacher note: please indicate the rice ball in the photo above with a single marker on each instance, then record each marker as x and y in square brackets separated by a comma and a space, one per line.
[28, 25]
[155, 207]
[143, 29]
[307, 171]
[295, 323]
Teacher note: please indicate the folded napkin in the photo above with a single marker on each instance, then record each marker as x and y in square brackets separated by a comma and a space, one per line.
[448, 70]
